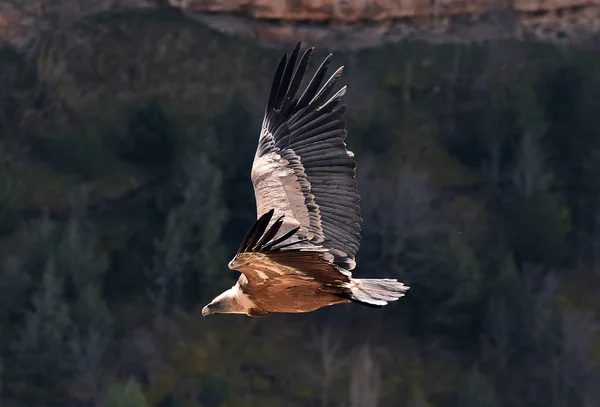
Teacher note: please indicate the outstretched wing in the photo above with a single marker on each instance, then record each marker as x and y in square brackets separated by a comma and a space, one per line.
[302, 168]
[262, 256]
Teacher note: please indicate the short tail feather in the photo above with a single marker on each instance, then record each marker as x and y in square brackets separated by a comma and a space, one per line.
[376, 292]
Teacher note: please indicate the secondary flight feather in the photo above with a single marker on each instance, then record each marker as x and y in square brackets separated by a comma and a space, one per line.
[298, 255]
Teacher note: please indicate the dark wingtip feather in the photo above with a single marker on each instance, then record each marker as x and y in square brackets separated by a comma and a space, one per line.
[286, 78]
[296, 82]
[259, 239]
[262, 222]
[326, 89]
[276, 82]
[257, 230]
[281, 239]
[315, 82]
[269, 234]
[334, 100]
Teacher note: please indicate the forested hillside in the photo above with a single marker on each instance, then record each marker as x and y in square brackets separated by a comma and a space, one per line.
[125, 151]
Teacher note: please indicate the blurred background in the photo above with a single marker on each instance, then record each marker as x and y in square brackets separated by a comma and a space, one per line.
[126, 142]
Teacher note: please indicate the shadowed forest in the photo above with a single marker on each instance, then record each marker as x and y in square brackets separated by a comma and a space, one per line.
[126, 143]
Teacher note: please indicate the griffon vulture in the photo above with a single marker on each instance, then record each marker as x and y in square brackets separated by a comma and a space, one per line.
[298, 255]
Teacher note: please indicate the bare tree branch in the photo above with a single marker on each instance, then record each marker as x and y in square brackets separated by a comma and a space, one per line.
[365, 379]
[330, 361]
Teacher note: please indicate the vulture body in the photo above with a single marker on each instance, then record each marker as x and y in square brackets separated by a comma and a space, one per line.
[298, 255]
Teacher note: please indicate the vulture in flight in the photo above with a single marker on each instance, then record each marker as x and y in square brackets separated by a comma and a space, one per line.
[298, 255]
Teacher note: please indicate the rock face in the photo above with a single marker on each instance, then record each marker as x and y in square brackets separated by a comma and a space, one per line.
[360, 23]
[345, 23]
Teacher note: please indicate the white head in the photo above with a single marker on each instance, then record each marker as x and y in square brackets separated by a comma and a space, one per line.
[232, 301]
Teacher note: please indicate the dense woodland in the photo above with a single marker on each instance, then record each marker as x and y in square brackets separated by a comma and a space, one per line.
[125, 148]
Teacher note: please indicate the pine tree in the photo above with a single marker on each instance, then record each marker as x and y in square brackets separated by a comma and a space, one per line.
[128, 394]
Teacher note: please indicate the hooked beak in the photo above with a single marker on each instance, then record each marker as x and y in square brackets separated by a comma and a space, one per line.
[206, 311]
[212, 308]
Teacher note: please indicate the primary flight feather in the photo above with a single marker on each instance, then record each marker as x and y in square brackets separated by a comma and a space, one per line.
[298, 255]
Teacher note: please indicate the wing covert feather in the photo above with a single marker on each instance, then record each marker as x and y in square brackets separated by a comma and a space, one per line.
[262, 256]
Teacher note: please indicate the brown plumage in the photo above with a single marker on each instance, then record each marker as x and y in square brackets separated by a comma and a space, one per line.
[298, 255]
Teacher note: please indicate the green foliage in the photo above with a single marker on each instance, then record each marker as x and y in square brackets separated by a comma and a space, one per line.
[127, 394]
[63, 332]
[149, 139]
[457, 288]
[42, 352]
[214, 391]
[81, 263]
[476, 391]
[73, 150]
[191, 254]
[378, 131]
[9, 204]
[15, 284]
[17, 78]
[418, 400]
[539, 229]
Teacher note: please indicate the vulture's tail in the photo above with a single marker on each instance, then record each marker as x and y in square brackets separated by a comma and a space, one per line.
[376, 292]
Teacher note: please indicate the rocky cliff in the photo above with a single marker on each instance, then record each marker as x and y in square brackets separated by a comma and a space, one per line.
[342, 23]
